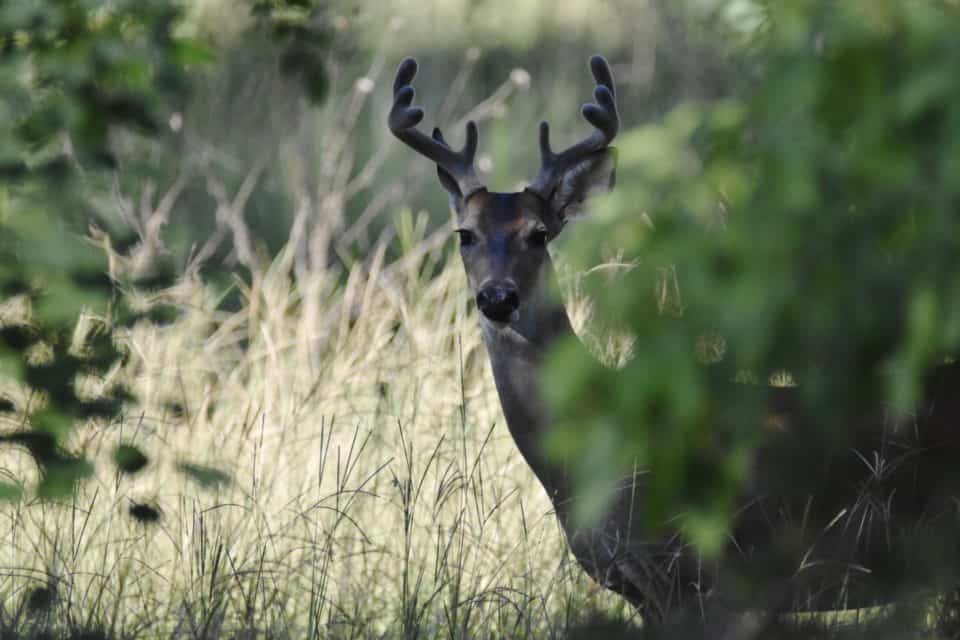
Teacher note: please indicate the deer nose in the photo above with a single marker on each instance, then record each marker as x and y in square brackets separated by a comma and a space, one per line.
[498, 302]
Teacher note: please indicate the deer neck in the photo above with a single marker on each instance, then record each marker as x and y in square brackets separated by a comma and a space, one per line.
[516, 354]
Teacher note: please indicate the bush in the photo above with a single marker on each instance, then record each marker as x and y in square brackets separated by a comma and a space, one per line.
[803, 231]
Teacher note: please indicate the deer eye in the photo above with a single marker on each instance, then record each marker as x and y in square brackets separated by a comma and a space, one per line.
[467, 237]
[538, 238]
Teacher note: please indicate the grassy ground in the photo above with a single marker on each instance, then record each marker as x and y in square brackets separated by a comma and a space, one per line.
[374, 492]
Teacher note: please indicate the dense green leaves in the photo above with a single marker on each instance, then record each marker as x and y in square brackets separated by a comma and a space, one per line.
[71, 72]
[808, 225]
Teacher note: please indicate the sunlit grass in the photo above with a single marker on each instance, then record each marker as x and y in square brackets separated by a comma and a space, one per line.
[375, 489]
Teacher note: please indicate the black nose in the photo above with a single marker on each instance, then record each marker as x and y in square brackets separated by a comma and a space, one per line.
[498, 302]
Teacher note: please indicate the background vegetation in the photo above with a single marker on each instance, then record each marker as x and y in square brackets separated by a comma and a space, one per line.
[242, 391]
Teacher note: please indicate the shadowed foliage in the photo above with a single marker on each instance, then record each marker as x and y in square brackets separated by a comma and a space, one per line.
[796, 312]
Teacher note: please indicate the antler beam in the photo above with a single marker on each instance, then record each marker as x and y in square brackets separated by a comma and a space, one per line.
[602, 114]
[403, 121]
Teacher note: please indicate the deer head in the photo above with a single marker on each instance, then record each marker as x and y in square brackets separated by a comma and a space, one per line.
[504, 236]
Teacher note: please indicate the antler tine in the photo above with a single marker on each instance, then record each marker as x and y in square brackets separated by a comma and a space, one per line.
[602, 114]
[403, 121]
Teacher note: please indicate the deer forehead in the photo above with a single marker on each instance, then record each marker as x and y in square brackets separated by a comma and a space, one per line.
[502, 213]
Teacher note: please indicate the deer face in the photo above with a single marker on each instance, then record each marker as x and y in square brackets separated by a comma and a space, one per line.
[504, 236]
[503, 243]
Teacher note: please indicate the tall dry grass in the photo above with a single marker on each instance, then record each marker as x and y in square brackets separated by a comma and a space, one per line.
[373, 491]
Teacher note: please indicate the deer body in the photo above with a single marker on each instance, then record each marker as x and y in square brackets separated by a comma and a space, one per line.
[607, 550]
[503, 243]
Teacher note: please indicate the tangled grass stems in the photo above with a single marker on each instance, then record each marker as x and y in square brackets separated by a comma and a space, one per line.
[375, 491]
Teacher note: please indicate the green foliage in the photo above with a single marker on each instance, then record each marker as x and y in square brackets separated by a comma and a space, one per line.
[72, 70]
[208, 477]
[298, 26]
[9, 491]
[129, 458]
[71, 73]
[808, 225]
[144, 513]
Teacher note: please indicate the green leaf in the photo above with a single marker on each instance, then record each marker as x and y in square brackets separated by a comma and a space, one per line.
[144, 513]
[207, 477]
[192, 51]
[10, 491]
[129, 458]
[53, 422]
[60, 479]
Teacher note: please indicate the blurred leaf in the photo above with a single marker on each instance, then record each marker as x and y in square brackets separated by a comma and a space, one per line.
[74, 73]
[207, 477]
[18, 336]
[129, 458]
[60, 479]
[191, 51]
[10, 491]
[144, 513]
[11, 364]
[40, 599]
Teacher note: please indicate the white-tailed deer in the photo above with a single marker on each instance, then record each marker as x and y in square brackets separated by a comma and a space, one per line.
[503, 243]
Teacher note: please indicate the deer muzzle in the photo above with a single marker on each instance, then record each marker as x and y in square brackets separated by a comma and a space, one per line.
[499, 302]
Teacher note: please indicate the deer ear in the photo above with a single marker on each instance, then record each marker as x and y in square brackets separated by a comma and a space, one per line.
[456, 198]
[595, 173]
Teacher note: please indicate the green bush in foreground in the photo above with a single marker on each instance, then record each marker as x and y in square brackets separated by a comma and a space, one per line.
[70, 73]
[808, 226]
